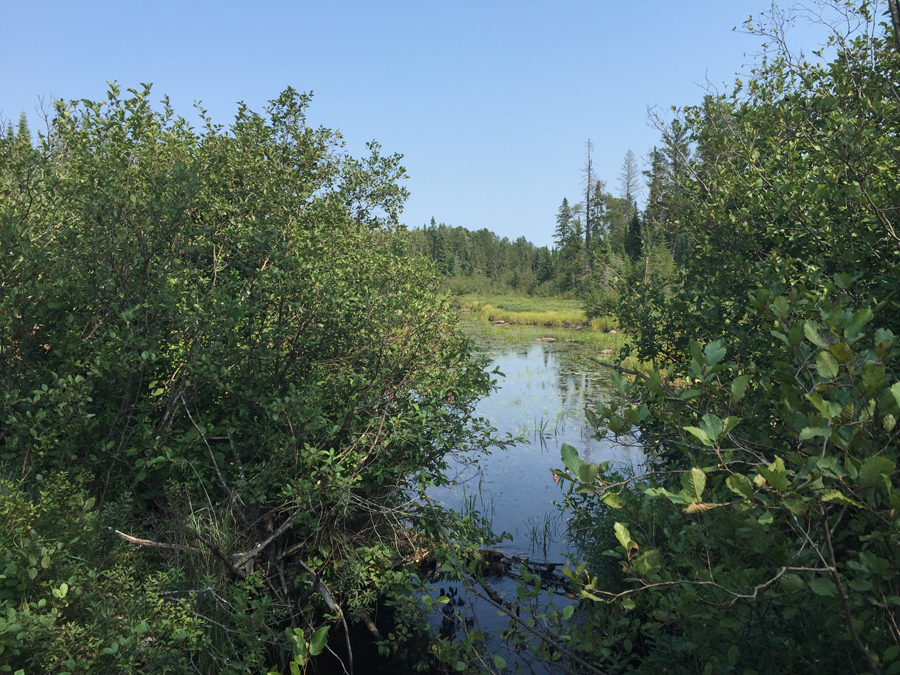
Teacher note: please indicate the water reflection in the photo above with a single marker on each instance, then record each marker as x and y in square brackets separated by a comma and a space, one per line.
[541, 397]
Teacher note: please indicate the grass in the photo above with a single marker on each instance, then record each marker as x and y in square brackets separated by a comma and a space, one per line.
[532, 311]
[595, 338]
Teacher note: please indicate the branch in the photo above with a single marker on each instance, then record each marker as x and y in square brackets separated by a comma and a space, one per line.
[148, 542]
[619, 369]
[250, 555]
[845, 602]
[217, 551]
[325, 594]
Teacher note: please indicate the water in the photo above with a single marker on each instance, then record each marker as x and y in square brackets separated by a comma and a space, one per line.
[541, 398]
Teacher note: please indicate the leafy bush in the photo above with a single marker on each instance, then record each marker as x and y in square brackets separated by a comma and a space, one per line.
[226, 327]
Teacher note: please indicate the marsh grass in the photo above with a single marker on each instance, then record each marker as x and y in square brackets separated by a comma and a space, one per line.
[595, 341]
[528, 311]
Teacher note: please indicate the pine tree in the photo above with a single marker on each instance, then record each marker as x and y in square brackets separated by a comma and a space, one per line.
[563, 233]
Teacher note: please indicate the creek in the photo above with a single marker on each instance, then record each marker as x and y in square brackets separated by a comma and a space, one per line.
[540, 399]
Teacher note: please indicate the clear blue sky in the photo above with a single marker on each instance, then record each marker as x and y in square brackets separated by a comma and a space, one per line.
[490, 102]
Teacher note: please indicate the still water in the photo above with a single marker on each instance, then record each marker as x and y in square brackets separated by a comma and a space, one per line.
[540, 398]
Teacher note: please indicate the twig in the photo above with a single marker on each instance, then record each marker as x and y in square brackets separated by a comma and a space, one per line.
[250, 555]
[619, 369]
[148, 542]
[325, 594]
[845, 602]
[217, 551]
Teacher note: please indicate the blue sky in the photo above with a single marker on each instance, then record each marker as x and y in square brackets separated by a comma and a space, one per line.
[490, 102]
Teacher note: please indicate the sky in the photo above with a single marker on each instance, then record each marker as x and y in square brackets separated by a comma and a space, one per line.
[490, 102]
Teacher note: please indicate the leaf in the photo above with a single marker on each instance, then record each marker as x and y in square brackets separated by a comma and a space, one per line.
[841, 351]
[712, 425]
[777, 480]
[826, 365]
[837, 497]
[812, 432]
[853, 331]
[570, 458]
[813, 336]
[318, 641]
[876, 471]
[740, 485]
[734, 655]
[624, 537]
[739, 387]
[714, 352]
[895, 391]
[694, 482]
[699, 507]
[823, 586]
[500, 664]
[611, 499]
[699, 433]
[588, 472]
[872, 375]
[647, 562]
[730, 423]
[568, 611]
[828, 409]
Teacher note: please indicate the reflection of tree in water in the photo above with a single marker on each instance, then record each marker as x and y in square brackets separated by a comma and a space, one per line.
[450, 621]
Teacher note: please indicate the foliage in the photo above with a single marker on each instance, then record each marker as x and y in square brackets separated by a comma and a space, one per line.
[763, 536]
[222, 332]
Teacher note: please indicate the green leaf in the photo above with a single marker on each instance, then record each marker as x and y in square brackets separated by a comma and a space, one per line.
[500, 664]
[812, 432]
[853, 331]
[734, 655]
[777, 480]
[841, 351]
[700, 434]
[895, 391]
[568, 611]
[823, 586]
[813, 336]
[826, 365]
[714, 352]
[837, 497]
[318, 641]
[828, 409]
[739, 387]
[876, 471]
[570, 458]
[694, 482]
[740, 485]
[588, 472]
[730, 423]
[611, 499]
[712, 425]
[872, 375]
[624, 537]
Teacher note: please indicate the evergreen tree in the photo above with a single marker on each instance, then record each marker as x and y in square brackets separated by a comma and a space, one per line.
[563, 233]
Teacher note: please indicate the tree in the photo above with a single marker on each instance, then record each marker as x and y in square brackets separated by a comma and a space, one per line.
[563, 233]
[589, 187]
[240, 369]
[765, 533]
[629, 183]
